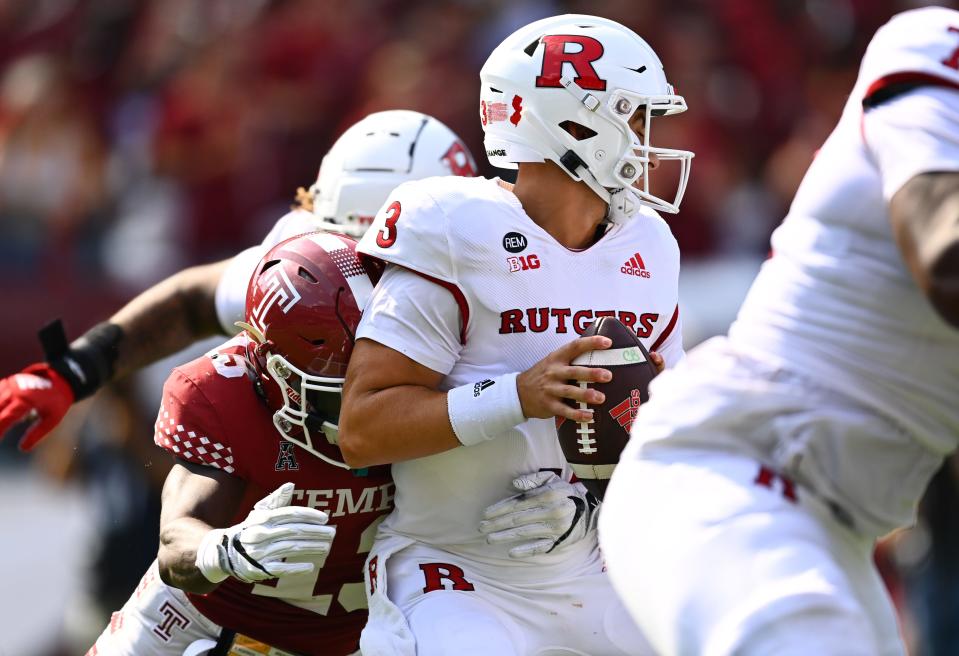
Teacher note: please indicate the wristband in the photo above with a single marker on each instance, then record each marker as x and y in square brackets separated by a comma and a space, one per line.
[484, 410]
[210, 556]
[86, 364]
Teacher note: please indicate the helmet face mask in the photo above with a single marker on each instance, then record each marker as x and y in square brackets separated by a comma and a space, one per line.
[303, 306]
[376, 155]
[633, 168]
[316, 418]
[585, 70]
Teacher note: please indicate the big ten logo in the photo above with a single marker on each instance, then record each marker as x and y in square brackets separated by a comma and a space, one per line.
[523, 262]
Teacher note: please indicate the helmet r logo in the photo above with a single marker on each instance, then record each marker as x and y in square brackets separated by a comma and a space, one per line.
[458, 159]
[555, 55]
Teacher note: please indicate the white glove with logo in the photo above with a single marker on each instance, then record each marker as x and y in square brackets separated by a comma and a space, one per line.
[548, 512]
[254, 550]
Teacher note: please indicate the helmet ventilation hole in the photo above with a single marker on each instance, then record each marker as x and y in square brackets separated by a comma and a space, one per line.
[306, 275]
[577, 130]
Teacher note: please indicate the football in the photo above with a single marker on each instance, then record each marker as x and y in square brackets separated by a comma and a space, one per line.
[592, 449]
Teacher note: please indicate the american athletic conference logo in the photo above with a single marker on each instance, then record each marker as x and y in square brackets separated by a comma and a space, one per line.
[280, 290]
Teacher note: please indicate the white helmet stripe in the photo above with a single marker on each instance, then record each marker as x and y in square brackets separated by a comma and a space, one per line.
[348, 263]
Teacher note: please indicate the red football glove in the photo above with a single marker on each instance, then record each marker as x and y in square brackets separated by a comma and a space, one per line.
[37, 394]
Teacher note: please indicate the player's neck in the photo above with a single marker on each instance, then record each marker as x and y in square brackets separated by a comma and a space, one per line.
[568, 210]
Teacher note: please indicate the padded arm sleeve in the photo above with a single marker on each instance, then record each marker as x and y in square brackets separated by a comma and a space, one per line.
[915, 133]
[414, 316]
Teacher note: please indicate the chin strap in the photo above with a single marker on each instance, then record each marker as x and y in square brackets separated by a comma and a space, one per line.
[580, 171]
[622, 203]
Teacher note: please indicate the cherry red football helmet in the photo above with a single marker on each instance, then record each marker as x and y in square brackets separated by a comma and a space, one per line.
[303, 305]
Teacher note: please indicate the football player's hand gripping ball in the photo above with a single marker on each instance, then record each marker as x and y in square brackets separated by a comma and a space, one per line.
[38, 395]
[254, 549]
[546, 514]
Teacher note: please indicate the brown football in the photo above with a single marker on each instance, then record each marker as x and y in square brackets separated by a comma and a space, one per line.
[592, 449]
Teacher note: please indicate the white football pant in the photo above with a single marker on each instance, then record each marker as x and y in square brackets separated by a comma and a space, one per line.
[428, 602]
[742, 561]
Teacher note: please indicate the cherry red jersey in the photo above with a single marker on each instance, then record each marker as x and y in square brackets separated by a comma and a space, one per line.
[211, 415]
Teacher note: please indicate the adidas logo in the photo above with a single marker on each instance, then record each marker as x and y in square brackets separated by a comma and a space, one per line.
[634, 266]
[482, 385]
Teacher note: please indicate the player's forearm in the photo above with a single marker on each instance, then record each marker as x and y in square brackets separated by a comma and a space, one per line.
[925, 218]
[395, 424]
[942, 263]
[179, 541]
[168, 317]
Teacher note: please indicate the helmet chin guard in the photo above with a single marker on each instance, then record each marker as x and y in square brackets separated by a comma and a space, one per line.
[296, 420]
[591, 72]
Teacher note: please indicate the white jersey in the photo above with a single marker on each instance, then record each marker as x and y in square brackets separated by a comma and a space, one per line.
[836, 302]
[476, 290]
[836, 299]
[231, 290]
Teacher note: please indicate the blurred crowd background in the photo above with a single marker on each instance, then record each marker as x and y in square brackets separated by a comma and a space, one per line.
[138, 137]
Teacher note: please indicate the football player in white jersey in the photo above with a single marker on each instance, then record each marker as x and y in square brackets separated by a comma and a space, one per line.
[371, 158]
[463, 359]
[765, 466]
[361, 168]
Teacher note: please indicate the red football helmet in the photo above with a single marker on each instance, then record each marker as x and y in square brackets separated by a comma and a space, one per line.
[302, 308]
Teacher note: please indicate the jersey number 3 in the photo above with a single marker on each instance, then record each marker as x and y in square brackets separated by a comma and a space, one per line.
[387, 236]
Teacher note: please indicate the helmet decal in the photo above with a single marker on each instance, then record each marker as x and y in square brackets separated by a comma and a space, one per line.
[279, 290]
[557, 53]
[457, 158]
[517, 110]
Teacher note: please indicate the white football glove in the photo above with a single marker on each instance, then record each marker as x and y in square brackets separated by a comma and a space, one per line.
[254, 549]
[548, 512]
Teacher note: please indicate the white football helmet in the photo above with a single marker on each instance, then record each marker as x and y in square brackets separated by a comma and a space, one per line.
[586, 70]
[373, 157]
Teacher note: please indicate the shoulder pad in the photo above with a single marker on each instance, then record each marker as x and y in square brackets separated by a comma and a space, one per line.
[915, 48]
[188, 424]
[412, 231]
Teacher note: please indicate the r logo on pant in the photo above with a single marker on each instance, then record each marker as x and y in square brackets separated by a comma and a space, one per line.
[434, 573]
